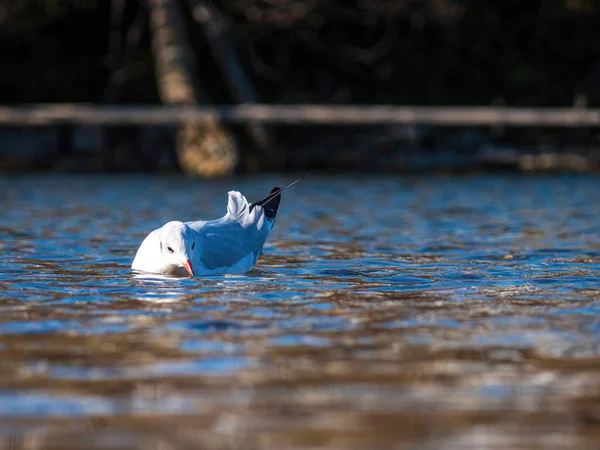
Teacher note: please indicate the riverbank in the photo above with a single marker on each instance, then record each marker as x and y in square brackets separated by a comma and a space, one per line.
[396, 149]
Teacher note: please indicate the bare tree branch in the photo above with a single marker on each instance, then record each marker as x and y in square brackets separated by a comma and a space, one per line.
[124, 69]
[217, 30]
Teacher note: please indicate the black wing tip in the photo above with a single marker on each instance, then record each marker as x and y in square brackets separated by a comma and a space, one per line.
[270, 203]
[272, 206]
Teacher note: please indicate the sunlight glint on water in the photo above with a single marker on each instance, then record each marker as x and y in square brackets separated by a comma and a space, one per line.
[384, 311]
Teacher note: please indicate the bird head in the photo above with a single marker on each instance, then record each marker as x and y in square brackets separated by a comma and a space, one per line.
[178, 244]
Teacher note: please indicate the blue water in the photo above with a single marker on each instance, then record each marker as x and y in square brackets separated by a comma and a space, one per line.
[384, 311]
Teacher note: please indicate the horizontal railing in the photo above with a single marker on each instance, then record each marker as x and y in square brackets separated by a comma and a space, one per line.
[56, 114]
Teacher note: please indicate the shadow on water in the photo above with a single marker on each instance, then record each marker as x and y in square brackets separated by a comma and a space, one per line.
[435, 312]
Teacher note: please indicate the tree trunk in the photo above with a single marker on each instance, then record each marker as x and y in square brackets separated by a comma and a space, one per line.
[218, 33]
[204, 149]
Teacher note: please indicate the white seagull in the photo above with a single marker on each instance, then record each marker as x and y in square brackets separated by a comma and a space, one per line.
[231, 244]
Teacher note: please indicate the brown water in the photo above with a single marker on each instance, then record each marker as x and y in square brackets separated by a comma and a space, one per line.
[458, 312]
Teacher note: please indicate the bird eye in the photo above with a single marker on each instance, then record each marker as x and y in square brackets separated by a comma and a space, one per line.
[170, 249]
[193, 245]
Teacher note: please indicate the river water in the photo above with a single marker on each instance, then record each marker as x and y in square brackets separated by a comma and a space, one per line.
[424, 312]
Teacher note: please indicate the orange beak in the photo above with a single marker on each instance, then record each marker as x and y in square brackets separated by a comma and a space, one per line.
[188, 267]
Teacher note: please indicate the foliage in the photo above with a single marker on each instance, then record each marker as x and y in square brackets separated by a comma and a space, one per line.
[403, 51]
[32, 15]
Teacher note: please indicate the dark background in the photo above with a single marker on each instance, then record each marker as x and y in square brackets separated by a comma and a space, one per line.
[372, 51]
[430, 52]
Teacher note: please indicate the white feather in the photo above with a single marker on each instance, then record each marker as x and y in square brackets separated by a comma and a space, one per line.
[231, 244]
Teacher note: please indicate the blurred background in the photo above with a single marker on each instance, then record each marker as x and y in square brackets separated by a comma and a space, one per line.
[363, 52]
[433, 284]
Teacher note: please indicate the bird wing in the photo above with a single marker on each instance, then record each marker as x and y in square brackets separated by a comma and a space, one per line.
[228, 245]
[239, 234]
[238, 210]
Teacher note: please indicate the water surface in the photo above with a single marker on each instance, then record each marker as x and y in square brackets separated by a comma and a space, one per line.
[433, 312]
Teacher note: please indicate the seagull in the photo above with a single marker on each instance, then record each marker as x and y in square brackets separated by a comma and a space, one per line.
[229, 245]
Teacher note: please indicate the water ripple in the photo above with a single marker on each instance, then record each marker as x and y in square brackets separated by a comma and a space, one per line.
[455, 301]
